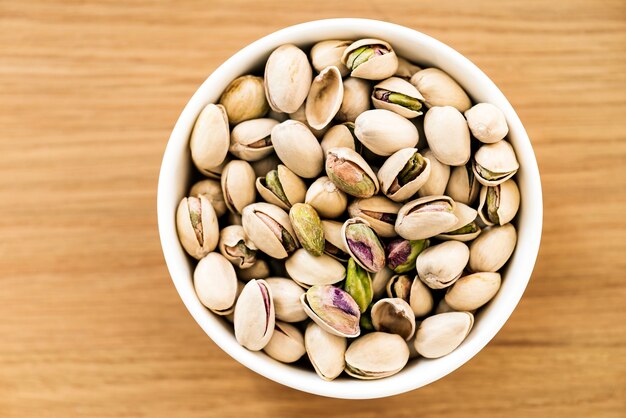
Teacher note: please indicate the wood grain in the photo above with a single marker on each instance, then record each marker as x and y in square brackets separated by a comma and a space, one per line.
[90, 323]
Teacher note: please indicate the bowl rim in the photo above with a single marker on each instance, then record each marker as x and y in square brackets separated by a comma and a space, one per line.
[265, 366]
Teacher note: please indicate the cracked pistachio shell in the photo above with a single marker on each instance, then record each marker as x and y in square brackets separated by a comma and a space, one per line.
[371, 59]
[334, 245]
[473, 291]
[300, 116]
[244, 99]
[268, 226]
[380, 280]
[340, 136]
[325, 351]
[235, 246]
[493, 248]
[298, 148]
[212, 190]
[308, 270]
[358, 284]
[288, 77]
[332, 309]
[402, 253]
[286, 344]
[406, 69]
[441, 334]
[308, 228]
[399, 96]
[363, 244]
[384, 132]
[281, 187]
[379, 212]
[356, 99]
[439, 89]
[466, 228]
[259, 270]
[499, 204]
[328, 53]
[426, 217]
[265, 165]
[196, 223]
[394, 315]
[286, 296]
[463, 186]
[324, 99]
[376, 355]
[351, 173]
[215, 282]
[403, 174]
[399, 286]
[238, 185]
[421, 298]
[210, 138]
[447, 135]
[438, 178]
[441, 265]
[326, 198]
[250, 140]
[254, 315]
[495, 163]
[487, 123]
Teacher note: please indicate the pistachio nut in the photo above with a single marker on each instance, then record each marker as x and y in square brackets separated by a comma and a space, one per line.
[376, 355]
[442, 307]
[244, 99]
[326, 198]
[196, 223]
[281, 187]
[265, 165]
[447, 135]
[421, 298]
[356, 99]
[403, 174]
[328, 53]
[487, 123]
[298, 148]
[309, 270]
[399, 96]
[495, 163]
[399, 286]
[286, 344]
[473, 291]
[308, 228]
[394, 315]
[251, 141]
[379, 282]
[210, 137]
[466, 229]
[350, 173]
[300, 116]
[499, 203]
[402, 253]
[215, 282]
[324, 99]
[439, 89]
[332, 309]
[341, 136]
[441, 265]
[371, 59]
[238, 185]
[366, 321]
[363, 244]
[426, 217]
[379, 212]
[384, 132]
[268, 226]
[406, 69]
[334, 245]
[326, 351]
[493, 248]
[235, 246]
[438, 178]
[259, 270]
[463, 186]
[288, 77]
[441, 334]
[286, 296]
[212, 190]
[254, 315]
[359, 285]
[215, 172]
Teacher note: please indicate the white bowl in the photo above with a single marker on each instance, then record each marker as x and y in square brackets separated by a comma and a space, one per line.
[174, 183]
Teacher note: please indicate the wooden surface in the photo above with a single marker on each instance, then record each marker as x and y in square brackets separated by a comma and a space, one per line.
[90, 323]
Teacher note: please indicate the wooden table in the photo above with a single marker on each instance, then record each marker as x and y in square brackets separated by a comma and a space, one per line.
[90, 323]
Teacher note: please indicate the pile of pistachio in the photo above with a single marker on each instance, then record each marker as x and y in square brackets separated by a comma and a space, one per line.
[355, 208]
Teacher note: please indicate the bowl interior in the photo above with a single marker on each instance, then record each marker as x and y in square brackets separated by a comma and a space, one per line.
[415, 46]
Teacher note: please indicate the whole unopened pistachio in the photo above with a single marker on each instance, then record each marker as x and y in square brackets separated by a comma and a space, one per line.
[238, 185]
[406, 69]
[244, 99]
[325, 350]
[487, 123]
[492, 249]
[402, 253]
[324, 99]
[447, 135]
[356, 99]
[308, 270]
[441, 334]
[421, 298]
[268, 226]
[495, 163]
[286, 296]
[327, 53]
[394, 315]
[210, 138]
[384, 132]
[341, 135]
[196, 223]
[308, 228]
[286, 344]
[363, 244]
[287, 78]
[438, 178]
[379, 212]
[403, 174]
[441, 265]
[215, 282]
[212, 190]
[281, 187]
[259, 270]
[439, 89]
[298, 148]
[473, 291]
[334, 245]
[499, 203]
[359, 285]
[463, 186]
[399, 286]
[332, 309]
[371, 59]
[327, 199]
[350, 173]
[376, 355]
[399, 96]
[235, 246]
[251, 141]
[426, 217]
[254, 315]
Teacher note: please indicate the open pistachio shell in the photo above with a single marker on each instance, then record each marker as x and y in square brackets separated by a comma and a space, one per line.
[439, 89]
[399, 286]
[402, 253]
[487, 123]
[499, 204]
[332, 309]
[244, 99]
[286, 344]
[406, 69]
[399, 96]
[288, 77]
[265, 165]
[196, 223]
[440, 265]
[438, 178]
[281, 187]
[493, 248]
[495, 163]
[363, 244]
[394, 315]
[384, 132]
[371, 59]
[212, 190]
[254, 315]
[376, 355]
[463, 186]
[421, 298]
[300, 116]
[426, 217]
[466, 229]
[324, 99]
[380, 280]
[326, 351]
[334, 245]
[259, 270]
[268, 226]
[403, 174]
[251, 141]
[309, 270]
[298, 148]
[307, 225]
[238, 185]
[350, 173]
[447, 135]
[356, 99]
[379, 212]
[286, 296]
[340, 136]
[235, 246]
[210, 138]
[327, 53]
[441, 334]
[327, 199]
[215, 282]
[473, 291]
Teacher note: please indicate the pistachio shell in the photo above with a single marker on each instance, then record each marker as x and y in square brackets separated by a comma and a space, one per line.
[493, 248]
[268, 226]
[286, 296]
[356, 99]
[403, 174]
[334, 245]
[281, 187]
[465, 229]
[332, 309]
[402, 253]
[363, 244]
[210, 137]
[286, 344]
[244, 99]
[215, 282]
[381, 61]
[487, 123]
[376, 355]
[235, 246]
[197, 227]
[300, 116]
[233, 218]
[442, 307]
[379, 212]
[463, 186]
[238, 185]
[406, 69]
[326, 198]
[327, 53]
[324, 99]
[426, 217]
[441, 334]
[308, 270]
[473, 291]
[308, 228]
[254, 315]
[298, 148]
[421, 298]
[394, 315]
[440, 265]
[215, 172]
[447, 135]
[439, 89]
[399, 286]
[438, 178]
[350, 173]
[495, 163]
[287, 78]
[399, 96]
[358, 284]
[340, 136]
[265, 165]
[250, 140]
[499, 204]
[380, 280]
[325, 350]
[259, 270]
[212, 190]
[384, 132]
